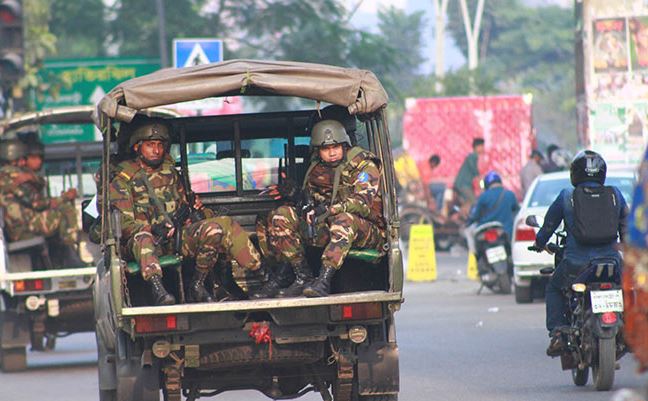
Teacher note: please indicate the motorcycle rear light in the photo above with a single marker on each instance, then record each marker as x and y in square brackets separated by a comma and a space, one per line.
[491, 235]
[609, 318]
[605, 286]
[154, 324]
[524, 233]
[31, 285]
[362, 311]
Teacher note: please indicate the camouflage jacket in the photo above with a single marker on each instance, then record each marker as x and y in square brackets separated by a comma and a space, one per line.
[28, 194]
[129, 194]
[359, 187]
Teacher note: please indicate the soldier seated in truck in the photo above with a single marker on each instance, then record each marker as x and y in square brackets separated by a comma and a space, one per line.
[27, 211]
[339, 207]
[158, 217]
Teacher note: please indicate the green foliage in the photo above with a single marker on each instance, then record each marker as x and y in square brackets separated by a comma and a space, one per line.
[80, 28]
[528, 49]
[39, 43]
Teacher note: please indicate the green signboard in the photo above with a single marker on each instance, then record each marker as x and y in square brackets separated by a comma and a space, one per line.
[89, 80]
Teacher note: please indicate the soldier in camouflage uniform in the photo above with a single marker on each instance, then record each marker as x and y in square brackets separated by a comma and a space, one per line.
[28, 212]
[345, 208]
[148, 191]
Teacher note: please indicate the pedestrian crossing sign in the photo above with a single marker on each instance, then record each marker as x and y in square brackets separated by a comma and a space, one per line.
[189, 52]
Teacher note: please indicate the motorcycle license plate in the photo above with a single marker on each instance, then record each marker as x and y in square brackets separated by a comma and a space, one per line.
[607, 301]
[496, 254]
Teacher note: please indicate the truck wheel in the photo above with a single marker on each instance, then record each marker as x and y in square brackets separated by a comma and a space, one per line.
[603, 366]
[134, 381]
[14, 359]
[523, 295]
[107, 395]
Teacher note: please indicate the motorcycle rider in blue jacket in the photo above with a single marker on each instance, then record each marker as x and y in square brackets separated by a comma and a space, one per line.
[495, 204]
[587, 169]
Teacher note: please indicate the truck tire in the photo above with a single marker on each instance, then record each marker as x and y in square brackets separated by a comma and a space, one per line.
[134, 381]
[523, 295]
[603, 366]
[14, 359]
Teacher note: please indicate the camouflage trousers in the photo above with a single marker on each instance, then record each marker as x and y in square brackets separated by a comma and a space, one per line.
[283, 235]
[23, 223]
[202, 241]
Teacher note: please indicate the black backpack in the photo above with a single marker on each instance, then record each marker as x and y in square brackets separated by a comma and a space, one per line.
[596, 215]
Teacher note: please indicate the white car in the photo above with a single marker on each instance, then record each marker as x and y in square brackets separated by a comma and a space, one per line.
[539, 197]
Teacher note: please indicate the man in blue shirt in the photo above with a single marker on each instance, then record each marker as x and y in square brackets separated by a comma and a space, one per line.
[495, 204]
[587, 169]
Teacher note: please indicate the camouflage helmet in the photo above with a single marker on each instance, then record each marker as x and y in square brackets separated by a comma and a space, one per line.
[150, 130]
[329, 132]
[12, 149]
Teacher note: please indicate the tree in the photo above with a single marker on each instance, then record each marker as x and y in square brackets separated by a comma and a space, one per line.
[80, 28]
[441, 10]
[529, 49]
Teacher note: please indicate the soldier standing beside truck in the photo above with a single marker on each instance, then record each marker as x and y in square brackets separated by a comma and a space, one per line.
[342, 209]
[28, 212]
[159, 218]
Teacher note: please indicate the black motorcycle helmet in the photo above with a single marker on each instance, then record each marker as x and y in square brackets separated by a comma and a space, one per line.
[587, 166]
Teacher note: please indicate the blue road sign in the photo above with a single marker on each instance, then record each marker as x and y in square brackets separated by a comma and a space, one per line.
[195, 51]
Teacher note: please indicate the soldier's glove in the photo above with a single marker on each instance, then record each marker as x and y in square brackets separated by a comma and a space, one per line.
[535, 248]
[161, 232]
[69, 195]
[287, 191]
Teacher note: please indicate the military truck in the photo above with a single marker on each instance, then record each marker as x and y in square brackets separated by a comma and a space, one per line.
[342, 346]
[42, 296]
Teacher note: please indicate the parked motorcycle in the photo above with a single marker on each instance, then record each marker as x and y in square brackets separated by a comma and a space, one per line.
[414, 209]
[594, 338]
[494, 262]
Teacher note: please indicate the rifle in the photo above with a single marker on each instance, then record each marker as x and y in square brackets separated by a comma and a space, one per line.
[321, 212]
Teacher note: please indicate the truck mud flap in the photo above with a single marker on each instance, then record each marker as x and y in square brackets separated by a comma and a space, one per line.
[378, 371]
[244, 355]
[15, 329]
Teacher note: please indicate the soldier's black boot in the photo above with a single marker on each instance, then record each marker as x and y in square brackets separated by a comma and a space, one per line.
[281, 278]
[303, 277]
[197, 290]
[321, 286]
[160, 294]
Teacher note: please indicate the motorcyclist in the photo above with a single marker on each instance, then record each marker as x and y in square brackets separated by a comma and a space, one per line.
[588, 169]
[496, 203]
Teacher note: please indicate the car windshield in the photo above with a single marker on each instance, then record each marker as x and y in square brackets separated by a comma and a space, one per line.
[547, 190]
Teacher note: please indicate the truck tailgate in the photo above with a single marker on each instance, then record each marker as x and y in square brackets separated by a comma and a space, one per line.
[265, 304]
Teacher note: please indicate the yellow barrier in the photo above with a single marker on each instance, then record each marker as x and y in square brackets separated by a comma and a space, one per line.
[421, 259]
[472, 267]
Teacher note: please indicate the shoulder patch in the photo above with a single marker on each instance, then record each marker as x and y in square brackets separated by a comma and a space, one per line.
[363, 177]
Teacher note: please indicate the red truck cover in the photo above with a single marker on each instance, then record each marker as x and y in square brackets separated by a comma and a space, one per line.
[447, 126]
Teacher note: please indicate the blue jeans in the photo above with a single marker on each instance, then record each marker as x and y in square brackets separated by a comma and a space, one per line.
[437, 190]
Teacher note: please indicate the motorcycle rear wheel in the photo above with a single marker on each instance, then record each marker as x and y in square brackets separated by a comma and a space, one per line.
[579, 376]
[603, 367]
[504, 284]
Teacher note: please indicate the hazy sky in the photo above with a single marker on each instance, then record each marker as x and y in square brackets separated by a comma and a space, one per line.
[366, 18]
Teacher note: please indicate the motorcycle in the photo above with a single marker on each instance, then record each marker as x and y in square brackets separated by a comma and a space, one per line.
[594, 338]
[494, 262]
[414, 209]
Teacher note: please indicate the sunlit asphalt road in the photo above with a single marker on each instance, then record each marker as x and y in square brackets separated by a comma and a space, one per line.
[454, 345]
